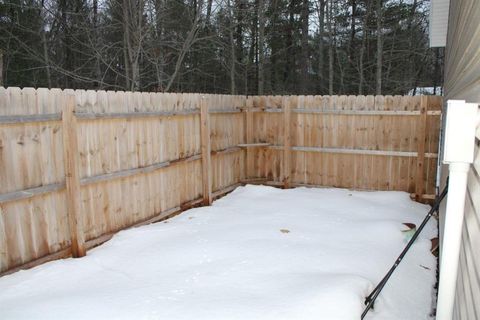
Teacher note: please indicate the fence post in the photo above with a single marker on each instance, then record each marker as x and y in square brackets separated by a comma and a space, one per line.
[72, 176]
[287, 143]
[249, 137]
[206, 152]
[422, 129]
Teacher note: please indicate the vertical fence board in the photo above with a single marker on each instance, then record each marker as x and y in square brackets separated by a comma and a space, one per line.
[206, 150]
[72, 177]
[249, 137]
[287, 145]
[421, 136]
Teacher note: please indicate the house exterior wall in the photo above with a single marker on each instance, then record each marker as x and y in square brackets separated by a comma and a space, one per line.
[462, 69]
[462, 82]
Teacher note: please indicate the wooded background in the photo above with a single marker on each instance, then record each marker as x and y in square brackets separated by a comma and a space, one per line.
[219, 46]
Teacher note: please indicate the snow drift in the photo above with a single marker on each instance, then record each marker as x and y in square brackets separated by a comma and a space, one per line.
[258, 253]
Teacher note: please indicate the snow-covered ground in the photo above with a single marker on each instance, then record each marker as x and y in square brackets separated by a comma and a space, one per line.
[258, 253]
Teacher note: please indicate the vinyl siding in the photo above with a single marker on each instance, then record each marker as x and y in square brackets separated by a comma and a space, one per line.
[462, 82]
[467, 302]
[462, 56]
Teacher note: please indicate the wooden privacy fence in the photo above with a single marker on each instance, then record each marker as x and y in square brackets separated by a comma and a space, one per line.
[360, 142]
[77, 166]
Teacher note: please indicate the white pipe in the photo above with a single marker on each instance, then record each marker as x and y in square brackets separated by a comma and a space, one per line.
[458, 153]
[452, 239]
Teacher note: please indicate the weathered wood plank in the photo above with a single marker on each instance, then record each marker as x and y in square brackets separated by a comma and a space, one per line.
[352, 112]
[224, 111]
[206, 152]
[135, 171]
[30, 118]
[130, 115]
[226, 150]
[287, 138]
[254, 145]
[30, 193]
[249, 137]
[72, 177]
[421, 136]
[356, 151]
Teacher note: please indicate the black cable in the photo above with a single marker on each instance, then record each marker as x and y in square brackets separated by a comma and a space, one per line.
[370, 300]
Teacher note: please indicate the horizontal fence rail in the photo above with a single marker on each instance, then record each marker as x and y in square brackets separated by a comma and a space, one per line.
[77, 166]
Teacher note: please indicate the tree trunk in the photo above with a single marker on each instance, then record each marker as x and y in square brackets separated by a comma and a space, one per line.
[351, 47]
[98, 75]
[209, 12]
[43, 38]
[290, 59]
[275, 47]
[239, 5]
[46, 59]
[330, 48]
[187, 44]
[159, 55]
[253, 53]
[411, 58]
[304, 43]
[261, 46]
[233, 61]
[321, 24]
[67, 63]
[126, 62]
[390, 56]
[132, 23]
[127, 50]
[341, 66]
[361, 68]
[379, 49]
[437, 73]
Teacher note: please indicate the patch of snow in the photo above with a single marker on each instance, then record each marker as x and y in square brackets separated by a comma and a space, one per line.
[257, 253]
[438, 91]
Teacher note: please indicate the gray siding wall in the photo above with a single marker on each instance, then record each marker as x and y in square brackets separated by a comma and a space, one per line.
[462, 69]
[462, 81]
[467, 301]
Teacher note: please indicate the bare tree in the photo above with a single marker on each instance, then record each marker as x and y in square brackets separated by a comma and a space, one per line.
[233, 60]
[187, 43]
[261, 46]
[363, 48]
[304, 17]
[379, 48]
[134, 33]
[353, 30]
[331, 46]
[96, 39]
[321, 30]
[209, 11]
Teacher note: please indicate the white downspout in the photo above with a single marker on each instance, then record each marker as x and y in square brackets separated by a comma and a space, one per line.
[458, 154]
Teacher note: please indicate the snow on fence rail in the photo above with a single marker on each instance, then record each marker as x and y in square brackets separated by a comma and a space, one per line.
[77, 166]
